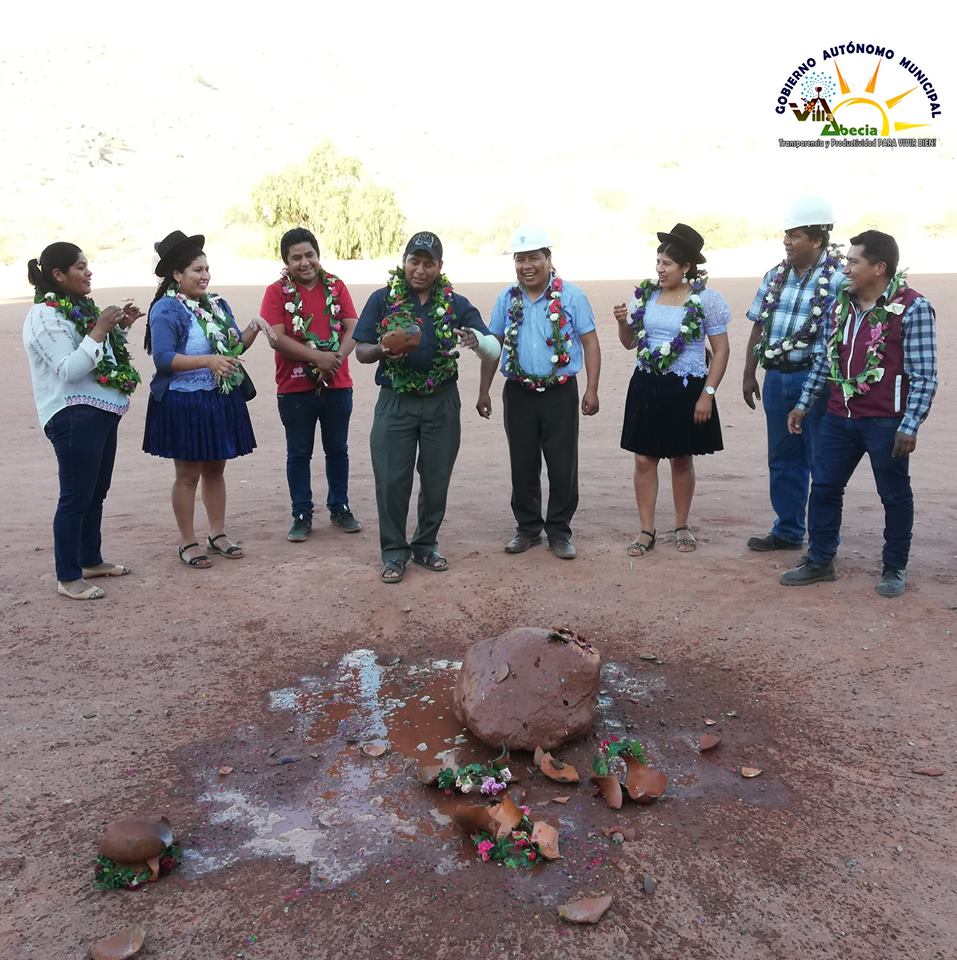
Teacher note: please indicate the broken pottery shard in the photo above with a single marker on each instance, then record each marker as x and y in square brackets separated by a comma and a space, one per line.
[708, 742]
[589, 910]
[550, 696]
[126, 943]
[387, 659]
[556, 770]
[708, 722]
[475, 818]
[374, 749]
[225, 771]
[929, 771]
[546, 836]
[154, 864]
[643, 783]
[560, 799]
[507, 815]
[502, 673]
[610, 789]
[429, 773]
[650, 657]
[537, 756]
[751, 772]
[503, 759]
[135, 841]
[403, 340]
[649, 884]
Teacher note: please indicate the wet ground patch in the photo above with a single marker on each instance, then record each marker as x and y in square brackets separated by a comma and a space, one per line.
[323, 774]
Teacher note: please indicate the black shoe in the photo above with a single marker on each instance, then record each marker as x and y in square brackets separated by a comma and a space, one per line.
[300, 529]
[521, 542]
[808, 572]
[893, 582]
[771, 542]
[563, 549]
[344, 520]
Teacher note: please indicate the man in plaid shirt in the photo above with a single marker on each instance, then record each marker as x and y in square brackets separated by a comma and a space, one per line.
[880, 360]
[788, 314]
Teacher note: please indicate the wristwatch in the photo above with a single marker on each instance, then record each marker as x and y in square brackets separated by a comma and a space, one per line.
[709, 390]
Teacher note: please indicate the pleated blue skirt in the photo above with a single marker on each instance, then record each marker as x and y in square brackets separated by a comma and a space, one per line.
[201, 425]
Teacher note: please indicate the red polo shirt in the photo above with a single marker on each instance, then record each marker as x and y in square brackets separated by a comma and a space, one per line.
[291, 375]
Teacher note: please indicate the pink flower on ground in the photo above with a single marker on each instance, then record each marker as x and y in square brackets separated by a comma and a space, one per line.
[485, 848]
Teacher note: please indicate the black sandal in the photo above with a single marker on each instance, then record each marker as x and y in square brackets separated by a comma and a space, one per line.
[233, 551]
[197, 561]
[393, 571]
[638, 549]
[433, 561]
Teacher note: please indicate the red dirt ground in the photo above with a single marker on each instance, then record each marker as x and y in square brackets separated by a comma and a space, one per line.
[124, 706]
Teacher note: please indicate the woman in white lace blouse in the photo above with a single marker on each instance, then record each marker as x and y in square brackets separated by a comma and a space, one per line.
[670, 411]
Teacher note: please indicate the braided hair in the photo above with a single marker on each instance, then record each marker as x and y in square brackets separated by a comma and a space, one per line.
[177, 265]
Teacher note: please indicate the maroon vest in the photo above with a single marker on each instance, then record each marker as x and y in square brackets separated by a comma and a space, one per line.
[887, 397]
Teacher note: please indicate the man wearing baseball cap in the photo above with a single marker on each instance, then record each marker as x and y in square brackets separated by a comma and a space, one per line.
[547, 329]
[413, 328]
[788, 314]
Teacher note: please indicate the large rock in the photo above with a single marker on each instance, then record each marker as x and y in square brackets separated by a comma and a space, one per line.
[528, 688]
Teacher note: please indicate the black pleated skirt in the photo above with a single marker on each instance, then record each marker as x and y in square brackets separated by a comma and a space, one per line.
[659, 417]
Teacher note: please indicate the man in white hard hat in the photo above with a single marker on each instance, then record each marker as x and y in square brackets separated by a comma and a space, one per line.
[547, 329]
[788, 314]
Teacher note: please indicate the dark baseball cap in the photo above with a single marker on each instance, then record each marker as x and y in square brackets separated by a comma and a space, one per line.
[424, 242]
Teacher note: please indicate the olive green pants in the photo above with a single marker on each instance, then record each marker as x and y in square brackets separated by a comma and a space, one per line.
[423, 433]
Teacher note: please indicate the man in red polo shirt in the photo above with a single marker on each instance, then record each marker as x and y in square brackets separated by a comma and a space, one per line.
[313, 315]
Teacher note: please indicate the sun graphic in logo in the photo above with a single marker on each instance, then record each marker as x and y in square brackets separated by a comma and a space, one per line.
[883, 107]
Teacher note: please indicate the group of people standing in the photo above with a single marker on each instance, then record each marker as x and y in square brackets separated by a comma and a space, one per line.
[854, 331]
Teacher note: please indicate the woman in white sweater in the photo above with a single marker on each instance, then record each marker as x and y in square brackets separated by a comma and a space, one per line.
[82, 381]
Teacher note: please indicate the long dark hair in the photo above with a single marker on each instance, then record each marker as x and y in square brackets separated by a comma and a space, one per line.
[177, 265]
[57, 256]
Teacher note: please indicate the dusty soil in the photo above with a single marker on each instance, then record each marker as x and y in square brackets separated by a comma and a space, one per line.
[130, 705]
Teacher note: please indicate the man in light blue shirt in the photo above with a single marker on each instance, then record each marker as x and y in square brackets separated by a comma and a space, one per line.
[547, 329]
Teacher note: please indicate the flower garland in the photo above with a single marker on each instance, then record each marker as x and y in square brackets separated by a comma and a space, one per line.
[516, 850]
[218, 329]
[401, 315]
[659, 359]
[110, 875]
[767, 352]
[559, 339]
[490, 780]
[301, 324]
[117, 371]
[873, 371]
[611, 748]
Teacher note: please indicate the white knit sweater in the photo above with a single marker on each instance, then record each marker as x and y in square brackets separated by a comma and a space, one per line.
[62, 364]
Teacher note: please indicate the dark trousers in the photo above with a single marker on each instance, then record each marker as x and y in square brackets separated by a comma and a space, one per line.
[402, 426]
[842, 444]
[790, 456]
[300, 412]
[84, 439]
[537, 425]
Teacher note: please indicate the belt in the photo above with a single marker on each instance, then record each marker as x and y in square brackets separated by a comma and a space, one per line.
[788, 367]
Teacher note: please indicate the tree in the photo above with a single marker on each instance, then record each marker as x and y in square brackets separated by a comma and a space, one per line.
[352, 216]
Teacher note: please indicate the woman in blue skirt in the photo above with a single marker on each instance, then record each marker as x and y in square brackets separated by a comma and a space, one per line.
[196, 414]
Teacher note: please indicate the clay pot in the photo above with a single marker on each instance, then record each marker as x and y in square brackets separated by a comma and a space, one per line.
[589, 910]
[135, 841]
[403, 341]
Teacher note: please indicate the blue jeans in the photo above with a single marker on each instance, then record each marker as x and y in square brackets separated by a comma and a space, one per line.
[300, 412]
[791, 457]
[84, 440]
[841, 444]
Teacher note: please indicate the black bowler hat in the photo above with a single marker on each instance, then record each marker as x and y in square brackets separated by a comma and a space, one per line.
[173, 244]
[424, 242]
[687, 238]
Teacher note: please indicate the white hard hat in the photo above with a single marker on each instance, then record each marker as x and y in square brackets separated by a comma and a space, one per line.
[809, 212]
[529, 237]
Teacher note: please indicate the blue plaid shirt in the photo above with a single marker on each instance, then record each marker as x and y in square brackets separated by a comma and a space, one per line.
[920, 359]
[792, 310]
